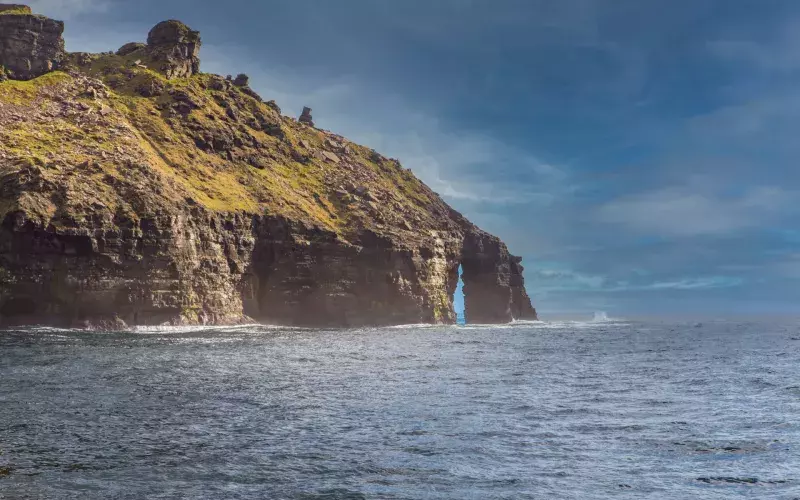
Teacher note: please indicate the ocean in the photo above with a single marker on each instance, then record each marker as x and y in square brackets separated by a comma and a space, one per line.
[552, 410]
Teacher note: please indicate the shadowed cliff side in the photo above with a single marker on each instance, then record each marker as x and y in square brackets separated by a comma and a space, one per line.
[136, 190]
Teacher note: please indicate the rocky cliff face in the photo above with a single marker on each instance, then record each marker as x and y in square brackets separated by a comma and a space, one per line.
[175, 48]
[30, 45]
[135, 190]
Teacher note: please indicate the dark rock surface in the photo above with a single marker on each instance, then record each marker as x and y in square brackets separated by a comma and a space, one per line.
[175, 48]
[30, 45]
[241, 80]
[130, 48]
[305, 117]
[134, 197]
[487, 279]
[521, 307]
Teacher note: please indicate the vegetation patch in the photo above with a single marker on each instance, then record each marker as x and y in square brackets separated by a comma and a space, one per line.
[204, 141]
[23, 92]
[14, 9]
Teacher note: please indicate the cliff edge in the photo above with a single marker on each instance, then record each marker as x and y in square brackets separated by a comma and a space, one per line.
[136, 190]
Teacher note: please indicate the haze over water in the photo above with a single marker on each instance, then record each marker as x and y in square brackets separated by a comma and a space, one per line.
[562, 410]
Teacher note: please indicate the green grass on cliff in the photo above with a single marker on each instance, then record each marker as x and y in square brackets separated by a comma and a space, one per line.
[24, 92]
[15, 9]
[134, 150]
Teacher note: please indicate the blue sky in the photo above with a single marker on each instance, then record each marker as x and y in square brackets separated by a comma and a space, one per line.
[639, 154]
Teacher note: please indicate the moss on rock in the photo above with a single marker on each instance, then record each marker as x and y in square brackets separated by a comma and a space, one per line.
[12, 9]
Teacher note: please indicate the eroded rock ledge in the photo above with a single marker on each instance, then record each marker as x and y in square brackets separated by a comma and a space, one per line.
[30, 45]
[135, 190]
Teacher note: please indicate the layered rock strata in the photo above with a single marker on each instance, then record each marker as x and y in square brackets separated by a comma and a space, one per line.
[175, 48]
[135, 190]
[30, 45]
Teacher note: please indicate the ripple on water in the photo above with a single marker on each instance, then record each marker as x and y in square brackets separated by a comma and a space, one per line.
[557, 410]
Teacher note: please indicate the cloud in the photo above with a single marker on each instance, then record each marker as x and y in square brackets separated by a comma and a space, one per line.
[560, 280]
[462, 165]
[629, 159]
[693, 283]
[779, 52]
[758, 116]
[565, 279]
[787, 266]
[67, 9]
[679, 211]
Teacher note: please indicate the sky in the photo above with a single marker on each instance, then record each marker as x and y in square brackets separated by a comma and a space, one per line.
[639, 154]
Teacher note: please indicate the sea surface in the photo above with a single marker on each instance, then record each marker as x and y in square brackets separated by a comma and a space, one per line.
[558, 410]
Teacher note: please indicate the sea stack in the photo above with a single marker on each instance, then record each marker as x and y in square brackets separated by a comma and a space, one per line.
[135, 190]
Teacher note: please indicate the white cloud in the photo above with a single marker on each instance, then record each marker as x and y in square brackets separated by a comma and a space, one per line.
[693, 283]
[565, 279]
[547, 281]
[460, 165]
[681, 211]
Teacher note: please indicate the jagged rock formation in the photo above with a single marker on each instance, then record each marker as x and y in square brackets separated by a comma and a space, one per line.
[305, 117]
[241, 80]
[521, 307]
[30, 45]
[135, 190]
[175, 48]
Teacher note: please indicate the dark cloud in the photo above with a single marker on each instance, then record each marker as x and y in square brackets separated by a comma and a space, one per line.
[638, 153]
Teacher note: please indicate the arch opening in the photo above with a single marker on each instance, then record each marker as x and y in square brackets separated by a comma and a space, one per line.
[458, 298]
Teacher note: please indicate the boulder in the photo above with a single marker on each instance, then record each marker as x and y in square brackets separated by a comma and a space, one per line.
[241, 80]
[272, 104]
[252, 93]
[30, 45]
[305, 117]
[330, 156]
[175, 48]
[216, 82]
[129, 48]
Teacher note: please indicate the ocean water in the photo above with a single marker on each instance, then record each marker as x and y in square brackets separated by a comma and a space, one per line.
[561, 410]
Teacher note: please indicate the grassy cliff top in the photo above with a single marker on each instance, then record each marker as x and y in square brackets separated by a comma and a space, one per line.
[111, 140]
[14, 9]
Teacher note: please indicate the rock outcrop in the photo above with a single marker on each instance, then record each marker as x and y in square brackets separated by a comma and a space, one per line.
[175, 48]
[241, 80]
[130, 48]
[136, 191]
[30, 45]
[521, 307]
[305, 117]
[488, 282]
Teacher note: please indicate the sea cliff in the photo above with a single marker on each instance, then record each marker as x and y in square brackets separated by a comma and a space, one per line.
[137, 190]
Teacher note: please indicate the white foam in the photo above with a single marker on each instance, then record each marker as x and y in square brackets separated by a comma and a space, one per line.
[413, 325]
[170, 329]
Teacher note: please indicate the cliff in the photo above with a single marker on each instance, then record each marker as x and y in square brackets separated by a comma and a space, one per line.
[30, 45]
[136, 190]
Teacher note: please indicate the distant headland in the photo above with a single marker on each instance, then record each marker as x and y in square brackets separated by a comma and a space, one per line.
[137, 190]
